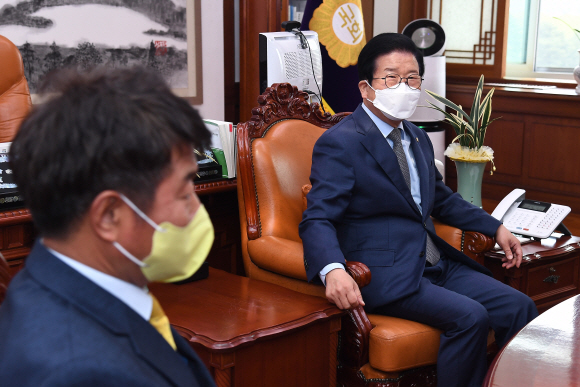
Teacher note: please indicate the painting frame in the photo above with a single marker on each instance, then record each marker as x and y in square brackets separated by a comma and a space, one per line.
[41, 58]
[194, 93]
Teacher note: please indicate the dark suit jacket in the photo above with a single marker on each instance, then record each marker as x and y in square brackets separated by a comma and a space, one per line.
[57, 328]
[360, 209]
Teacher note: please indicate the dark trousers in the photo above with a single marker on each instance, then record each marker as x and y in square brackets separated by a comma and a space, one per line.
[464, 304]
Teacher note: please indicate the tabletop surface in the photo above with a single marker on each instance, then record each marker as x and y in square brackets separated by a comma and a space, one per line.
[545, 353]
[225, 310]
[553, 247]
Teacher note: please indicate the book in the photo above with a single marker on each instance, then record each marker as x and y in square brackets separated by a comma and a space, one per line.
[223, 145]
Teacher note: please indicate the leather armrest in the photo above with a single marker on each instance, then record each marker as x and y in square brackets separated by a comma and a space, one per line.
[278, 255]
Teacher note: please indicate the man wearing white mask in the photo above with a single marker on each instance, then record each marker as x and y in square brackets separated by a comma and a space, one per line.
[374, 189]
[106, 167]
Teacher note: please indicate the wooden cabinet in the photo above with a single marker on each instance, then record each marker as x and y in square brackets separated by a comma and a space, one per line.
[16, 237]
[549, 272]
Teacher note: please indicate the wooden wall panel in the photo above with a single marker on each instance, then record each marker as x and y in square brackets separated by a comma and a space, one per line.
[255, 17]
[506, 138]
[564, 140]
[410, 10]
[368, 8]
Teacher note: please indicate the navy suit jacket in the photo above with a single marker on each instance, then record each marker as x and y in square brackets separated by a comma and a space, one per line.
[57, 328]
[360, 209]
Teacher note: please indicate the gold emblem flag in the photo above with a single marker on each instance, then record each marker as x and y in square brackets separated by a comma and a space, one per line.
[340, 28]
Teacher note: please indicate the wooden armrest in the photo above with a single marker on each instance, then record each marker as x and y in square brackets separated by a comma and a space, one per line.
[477, 243]
[359, 272]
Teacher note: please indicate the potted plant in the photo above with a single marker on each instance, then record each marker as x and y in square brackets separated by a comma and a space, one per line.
[576, 72]
[469, 153]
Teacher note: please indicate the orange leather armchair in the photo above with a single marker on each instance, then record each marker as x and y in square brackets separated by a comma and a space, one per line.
[15, 100]
[275, 156]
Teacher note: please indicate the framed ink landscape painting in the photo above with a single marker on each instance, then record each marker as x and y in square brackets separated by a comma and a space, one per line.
[164, 35]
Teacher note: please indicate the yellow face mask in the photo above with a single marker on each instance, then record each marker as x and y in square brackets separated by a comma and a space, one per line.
[177, 252]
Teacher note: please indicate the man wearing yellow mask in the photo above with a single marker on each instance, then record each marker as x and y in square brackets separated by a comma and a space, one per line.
[106, 167]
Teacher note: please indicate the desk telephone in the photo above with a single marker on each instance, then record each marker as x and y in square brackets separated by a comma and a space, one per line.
[530, 217]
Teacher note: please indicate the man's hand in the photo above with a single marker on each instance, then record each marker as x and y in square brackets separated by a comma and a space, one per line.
[510, 245]
[341, 290]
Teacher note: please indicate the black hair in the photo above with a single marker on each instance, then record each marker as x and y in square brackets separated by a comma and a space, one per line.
[383, 44]
[100, 130]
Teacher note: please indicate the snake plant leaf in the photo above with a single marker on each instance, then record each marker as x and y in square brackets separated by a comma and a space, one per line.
[449, 116]
[476, 99]
[456, 126]
[484, 123]
[485, 101]
[470, 129]
[450, 104]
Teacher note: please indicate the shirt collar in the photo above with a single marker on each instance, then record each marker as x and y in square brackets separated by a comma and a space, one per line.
[134, 297]
[382, 125]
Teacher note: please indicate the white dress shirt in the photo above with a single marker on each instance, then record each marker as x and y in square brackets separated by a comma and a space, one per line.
[133, 296]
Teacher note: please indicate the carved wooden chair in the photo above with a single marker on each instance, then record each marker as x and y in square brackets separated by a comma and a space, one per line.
[275, 156]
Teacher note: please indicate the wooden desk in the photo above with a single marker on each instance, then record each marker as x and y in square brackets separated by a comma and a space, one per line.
[545, 353]
[549, 272]
[253, 333]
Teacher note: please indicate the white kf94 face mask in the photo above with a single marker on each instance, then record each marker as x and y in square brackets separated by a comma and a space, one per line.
[398, 103]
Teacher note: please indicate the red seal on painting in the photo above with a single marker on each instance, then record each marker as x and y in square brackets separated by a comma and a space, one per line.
[160, 47]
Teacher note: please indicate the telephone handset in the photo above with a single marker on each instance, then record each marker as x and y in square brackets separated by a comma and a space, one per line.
[530, 217]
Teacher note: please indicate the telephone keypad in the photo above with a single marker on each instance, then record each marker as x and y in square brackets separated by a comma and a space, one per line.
[534, 223]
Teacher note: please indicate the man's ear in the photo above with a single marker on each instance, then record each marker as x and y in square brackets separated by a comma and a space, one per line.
[106, 214]
[365, 90]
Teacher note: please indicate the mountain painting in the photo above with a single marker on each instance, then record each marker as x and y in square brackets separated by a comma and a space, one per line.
[86, 33]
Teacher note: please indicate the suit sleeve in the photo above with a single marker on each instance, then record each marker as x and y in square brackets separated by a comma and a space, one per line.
[452, 209]
[332, 178]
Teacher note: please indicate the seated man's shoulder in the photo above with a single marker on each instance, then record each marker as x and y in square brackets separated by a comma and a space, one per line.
[42, 331]
[346, 128]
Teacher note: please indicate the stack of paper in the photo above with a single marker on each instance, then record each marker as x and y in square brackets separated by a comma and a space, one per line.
[223, 145]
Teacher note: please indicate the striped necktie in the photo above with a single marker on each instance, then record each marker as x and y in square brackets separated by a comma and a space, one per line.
[160, 322]
[433, 254]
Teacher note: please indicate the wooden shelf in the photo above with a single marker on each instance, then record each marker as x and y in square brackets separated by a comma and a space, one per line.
[210, 187]
[15, 216]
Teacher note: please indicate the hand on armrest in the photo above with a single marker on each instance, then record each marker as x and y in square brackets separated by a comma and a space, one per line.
[342, 290]
[359, 272]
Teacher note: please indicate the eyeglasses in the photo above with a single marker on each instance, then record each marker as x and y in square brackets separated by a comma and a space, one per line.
[392, 81]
